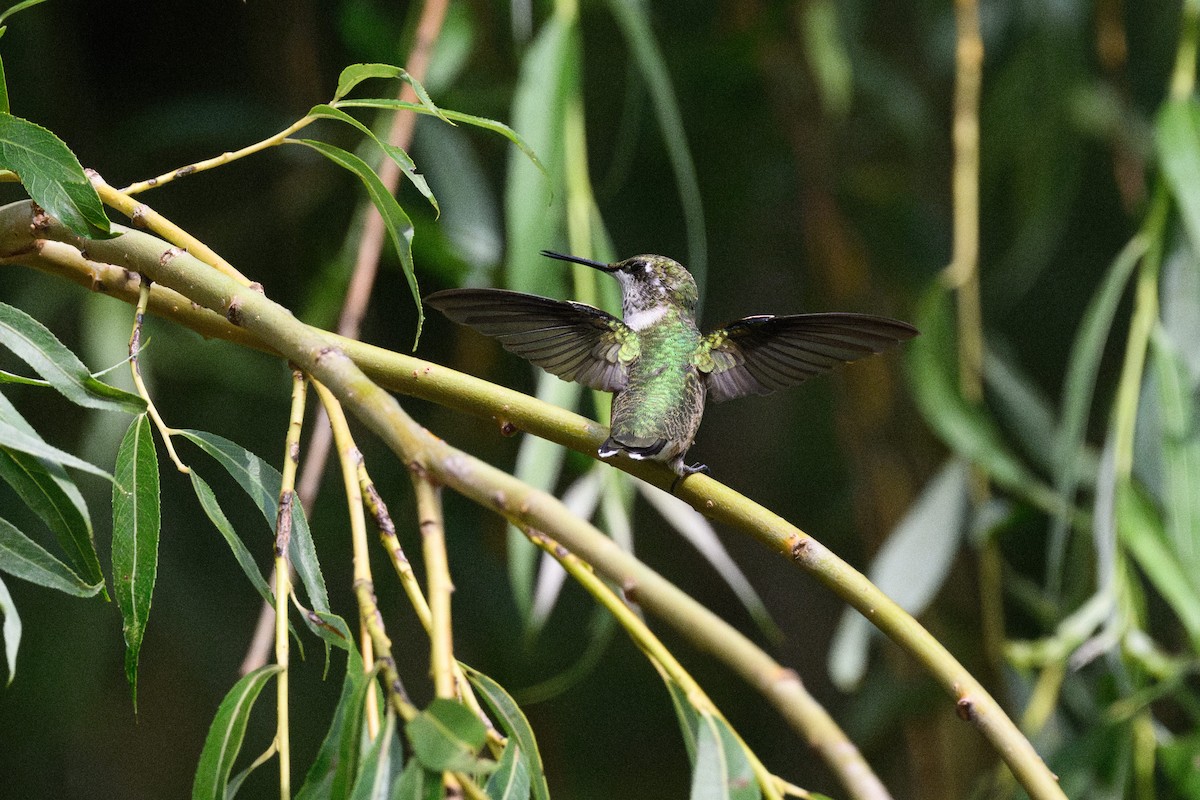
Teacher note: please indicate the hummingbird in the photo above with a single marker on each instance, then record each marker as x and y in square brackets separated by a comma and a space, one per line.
[654, 360]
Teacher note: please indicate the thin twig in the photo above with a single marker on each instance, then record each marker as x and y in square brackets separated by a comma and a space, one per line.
[362, 279]
[283, 536]
[135, 349]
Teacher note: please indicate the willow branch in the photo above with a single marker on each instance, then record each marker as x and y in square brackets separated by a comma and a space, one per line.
[348, 368]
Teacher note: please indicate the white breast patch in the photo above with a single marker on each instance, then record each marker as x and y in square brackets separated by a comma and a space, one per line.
[639, 320]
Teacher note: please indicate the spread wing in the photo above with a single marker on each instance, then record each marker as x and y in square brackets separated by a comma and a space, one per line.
[758, 355]
[574, 341]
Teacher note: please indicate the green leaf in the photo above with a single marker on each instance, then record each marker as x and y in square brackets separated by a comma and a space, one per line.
[1078, 388]
[910, 567]
[632, 18]
[484, 123]
[225, 735]
[208, 501]
[722, 771]
[350, 739]
[965, 428]
[262, 483]
[446, 737]
[135, 537]
[1180, 454]
[1178, 759]
[16, 434]
[24, 558]
[1177, 136]
[319, 778]
[510, 781]
[51, 494]
[375, 776]
[533, 200]
[11, 631]
[417, 783]
[52, 175]
[8, 12]
[1141, 532]
[357, 73]
[34, 344]
[685, 712]
[397, 154]
[514, 724]
[397, 223]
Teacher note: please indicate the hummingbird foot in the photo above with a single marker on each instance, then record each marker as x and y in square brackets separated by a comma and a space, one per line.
[685, 470]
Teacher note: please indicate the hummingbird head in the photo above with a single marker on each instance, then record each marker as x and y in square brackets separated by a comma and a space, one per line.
[648, 282]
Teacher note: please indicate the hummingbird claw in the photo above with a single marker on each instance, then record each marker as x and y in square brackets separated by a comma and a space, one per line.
[685, 470]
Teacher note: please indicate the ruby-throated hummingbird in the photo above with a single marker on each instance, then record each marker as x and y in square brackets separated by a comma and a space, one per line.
[655, 361]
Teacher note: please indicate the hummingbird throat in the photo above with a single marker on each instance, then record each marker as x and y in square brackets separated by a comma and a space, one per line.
[643, 318]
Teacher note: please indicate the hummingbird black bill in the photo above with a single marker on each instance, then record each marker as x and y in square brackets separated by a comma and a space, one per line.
[587, 262]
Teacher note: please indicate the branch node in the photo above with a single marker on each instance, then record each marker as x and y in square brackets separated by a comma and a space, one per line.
[169, 255]
[138, 217]
[629, 588]
[234, 312]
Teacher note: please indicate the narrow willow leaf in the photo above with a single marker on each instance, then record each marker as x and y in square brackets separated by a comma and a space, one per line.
[722, 771]
[52, 495]
[8, 12]
[533, 202]
[375, 776]
[964, 427]
[446, 736]
[397, 154]
[417, 783]
[350, 740]
[208, 501]
[21, 380]
[514, 724]
[397, 223]
[910, 567]
[319, 778]
[1078, 388]
[225, 735]
[33, 343]
[262, 483]
[1141, 533]
[11, 631]
[483, 123]
[633, 20]
[357, 73]
[24, 558]
[4, 107]
[135, 537]
[700, 534]
[1029, 415]
[1180, 455]
[685, 712]
[52, 175]
[1177, 135]
[18, 435]
[510, 781]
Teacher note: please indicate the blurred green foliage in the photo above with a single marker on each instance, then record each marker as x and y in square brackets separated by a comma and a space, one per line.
[819, 138]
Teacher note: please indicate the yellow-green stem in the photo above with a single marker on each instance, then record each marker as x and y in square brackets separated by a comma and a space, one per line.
[135, 345]
[350, 458]
[437, 567]
[651, 646]
[283, 534]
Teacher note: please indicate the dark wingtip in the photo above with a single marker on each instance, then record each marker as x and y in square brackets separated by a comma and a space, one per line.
[587, 262]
